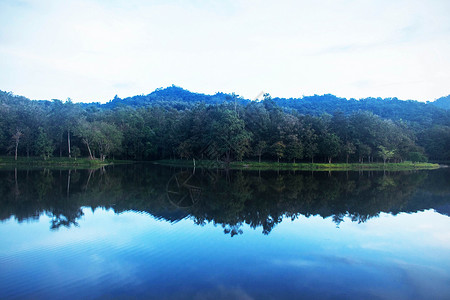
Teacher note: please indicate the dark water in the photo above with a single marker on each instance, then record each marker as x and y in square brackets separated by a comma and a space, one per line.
[143, 231]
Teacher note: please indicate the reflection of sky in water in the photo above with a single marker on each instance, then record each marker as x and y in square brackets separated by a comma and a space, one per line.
[392, 257]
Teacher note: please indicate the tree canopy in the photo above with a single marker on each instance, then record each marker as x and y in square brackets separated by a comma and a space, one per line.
[175, 123]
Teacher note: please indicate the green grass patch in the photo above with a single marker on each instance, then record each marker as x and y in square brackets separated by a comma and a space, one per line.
[251, 165]
[56, 162]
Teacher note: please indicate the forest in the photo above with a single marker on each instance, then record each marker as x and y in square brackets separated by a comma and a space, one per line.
[173, 123]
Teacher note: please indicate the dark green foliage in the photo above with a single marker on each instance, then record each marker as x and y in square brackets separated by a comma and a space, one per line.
[416, 157]
[175, 123]
[43, 145]
[436, 141]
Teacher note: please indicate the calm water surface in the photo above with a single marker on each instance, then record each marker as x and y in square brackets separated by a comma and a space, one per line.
[151, 232]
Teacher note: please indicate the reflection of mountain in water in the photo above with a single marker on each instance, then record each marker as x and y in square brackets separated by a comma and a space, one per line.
[443, 209]
[226, 198]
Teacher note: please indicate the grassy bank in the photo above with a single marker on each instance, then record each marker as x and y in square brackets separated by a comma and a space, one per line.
[55, 162]
[251, 165]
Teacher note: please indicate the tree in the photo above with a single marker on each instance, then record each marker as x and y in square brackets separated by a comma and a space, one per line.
[278, 149]
[309, 139]
[86, 132]
[44, 146]
[436, 142]
[108, 138]
[363, 150]
[16, 138]
[228, 132]
[294, 148]
[242, 145]
[385, 153]
[417, 157]
[331, 145]
[76, 152]
[185, 149]
[348, 149]
[260, 148]
[71, 114]
[57, 123]
[340, 125]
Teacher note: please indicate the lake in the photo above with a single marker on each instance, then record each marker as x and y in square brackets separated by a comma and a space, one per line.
[154, 232]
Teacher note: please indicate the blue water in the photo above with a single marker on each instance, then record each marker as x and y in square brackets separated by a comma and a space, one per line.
[133, 254]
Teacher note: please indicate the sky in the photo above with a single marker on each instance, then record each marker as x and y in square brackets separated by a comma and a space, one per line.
[92, 50]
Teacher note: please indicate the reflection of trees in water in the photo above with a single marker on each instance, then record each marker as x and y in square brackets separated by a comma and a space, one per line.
[228, 199]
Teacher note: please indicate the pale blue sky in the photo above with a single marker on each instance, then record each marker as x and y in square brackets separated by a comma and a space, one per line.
[90, 50]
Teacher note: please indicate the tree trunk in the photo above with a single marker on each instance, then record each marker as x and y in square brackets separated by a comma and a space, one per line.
[89, 149]
[17, 146]
[16, 138]
[347, 158]
[228, 157]
[260, 158]
[329, 160]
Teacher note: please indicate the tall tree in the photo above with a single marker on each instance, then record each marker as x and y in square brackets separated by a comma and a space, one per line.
[386, 154]
[278, 149]
[331, 146]
[229, 134]
[44, 146]
[16, 138]
[260, 148]
[85, 131]
[348, 149]
[309, 139]
[108, 138]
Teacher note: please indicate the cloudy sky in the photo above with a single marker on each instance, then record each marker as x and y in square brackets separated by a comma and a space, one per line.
[91, 50]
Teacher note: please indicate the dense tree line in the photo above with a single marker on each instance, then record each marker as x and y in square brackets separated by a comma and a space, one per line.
[174, 123]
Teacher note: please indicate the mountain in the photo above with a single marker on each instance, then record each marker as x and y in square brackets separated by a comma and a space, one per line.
[443, 102]
[387, 108]
[173, 96]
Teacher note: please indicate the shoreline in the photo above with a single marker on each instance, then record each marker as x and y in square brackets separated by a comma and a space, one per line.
[208, 164]
[251, 165]
[58, 162]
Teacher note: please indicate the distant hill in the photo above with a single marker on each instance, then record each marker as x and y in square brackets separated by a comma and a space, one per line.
[173, 96]
[388, 108]
[443, 102]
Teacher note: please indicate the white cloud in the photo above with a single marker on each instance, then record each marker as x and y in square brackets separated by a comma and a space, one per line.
[92, 50]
